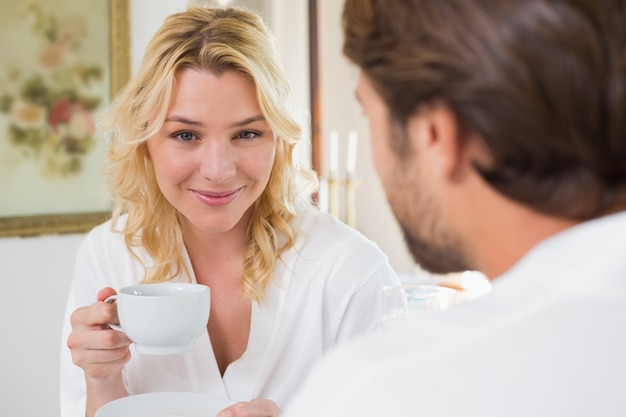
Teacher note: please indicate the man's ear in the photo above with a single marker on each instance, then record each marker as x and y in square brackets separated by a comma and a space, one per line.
[435, 132]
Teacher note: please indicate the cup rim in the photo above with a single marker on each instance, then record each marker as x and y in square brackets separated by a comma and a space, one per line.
[439, 288]
[194, 288]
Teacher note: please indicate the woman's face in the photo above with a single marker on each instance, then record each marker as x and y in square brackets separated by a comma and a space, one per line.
[214, 154]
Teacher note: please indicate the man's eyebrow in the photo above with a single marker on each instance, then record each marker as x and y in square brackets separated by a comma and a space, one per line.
[248, 121]
[358, 98]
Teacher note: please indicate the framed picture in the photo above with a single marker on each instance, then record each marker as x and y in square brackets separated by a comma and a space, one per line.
[62, 62]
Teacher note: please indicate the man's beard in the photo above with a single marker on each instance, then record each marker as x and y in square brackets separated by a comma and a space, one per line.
[431, 243]
[432, 258]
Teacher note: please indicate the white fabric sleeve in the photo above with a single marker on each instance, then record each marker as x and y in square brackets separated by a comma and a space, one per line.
[91, 273]
[364, 311]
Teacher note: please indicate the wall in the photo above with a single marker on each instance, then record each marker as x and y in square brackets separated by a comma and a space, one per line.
[341, 112]
[36, 272]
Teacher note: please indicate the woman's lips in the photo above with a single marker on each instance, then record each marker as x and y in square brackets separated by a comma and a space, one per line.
[216, 199]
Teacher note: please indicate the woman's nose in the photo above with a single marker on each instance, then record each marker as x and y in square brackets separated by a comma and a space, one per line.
[218, 161]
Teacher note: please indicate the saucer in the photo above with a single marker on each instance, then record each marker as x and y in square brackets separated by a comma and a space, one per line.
[165, 404]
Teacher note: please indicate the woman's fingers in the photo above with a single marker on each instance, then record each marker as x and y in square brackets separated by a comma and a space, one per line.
[95, 315]
[105, 293]
[259, 407]
[99, 350]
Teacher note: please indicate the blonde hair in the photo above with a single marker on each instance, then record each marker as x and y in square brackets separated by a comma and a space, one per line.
[216, 40]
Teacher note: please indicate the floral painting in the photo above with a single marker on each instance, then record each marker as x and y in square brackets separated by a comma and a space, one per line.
[55, 82]
[51, 110]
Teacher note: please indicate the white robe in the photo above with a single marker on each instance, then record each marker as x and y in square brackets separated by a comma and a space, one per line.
[547, 341]
[326, 290]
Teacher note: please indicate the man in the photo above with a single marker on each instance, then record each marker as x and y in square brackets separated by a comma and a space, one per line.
[498, 130]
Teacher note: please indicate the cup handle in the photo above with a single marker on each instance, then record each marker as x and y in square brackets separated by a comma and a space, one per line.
[111, 299]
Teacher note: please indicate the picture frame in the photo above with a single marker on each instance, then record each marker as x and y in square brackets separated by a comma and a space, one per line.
[39, 220]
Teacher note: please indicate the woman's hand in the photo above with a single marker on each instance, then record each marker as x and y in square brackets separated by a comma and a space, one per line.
[99, 350]
[255, 408]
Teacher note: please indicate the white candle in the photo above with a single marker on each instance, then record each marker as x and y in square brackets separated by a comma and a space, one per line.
[334, 154]
[351, 204]
[351, 163]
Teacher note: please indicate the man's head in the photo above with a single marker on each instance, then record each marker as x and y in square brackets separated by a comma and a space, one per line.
[535, 91]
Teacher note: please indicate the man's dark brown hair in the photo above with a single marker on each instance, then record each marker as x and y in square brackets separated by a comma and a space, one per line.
[542, 82]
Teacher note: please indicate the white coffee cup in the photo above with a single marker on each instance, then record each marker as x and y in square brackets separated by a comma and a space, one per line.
[162, 318]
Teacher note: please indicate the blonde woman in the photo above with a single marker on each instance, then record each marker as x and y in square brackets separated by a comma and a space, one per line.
[207, 189]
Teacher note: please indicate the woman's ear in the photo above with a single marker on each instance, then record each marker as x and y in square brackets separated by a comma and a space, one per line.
[146, 151]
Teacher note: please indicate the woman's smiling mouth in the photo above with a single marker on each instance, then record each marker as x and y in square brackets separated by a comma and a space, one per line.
[216, 199]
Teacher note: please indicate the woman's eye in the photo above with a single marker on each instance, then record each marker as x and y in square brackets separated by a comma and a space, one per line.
[184, 136]
[248, 134]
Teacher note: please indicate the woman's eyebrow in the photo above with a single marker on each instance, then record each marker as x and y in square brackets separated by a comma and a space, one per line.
[180, 119]
[248, 121]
